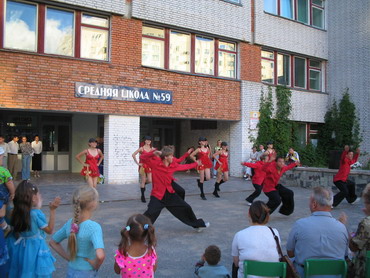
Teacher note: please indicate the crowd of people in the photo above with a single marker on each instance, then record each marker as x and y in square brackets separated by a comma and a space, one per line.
[24, 251]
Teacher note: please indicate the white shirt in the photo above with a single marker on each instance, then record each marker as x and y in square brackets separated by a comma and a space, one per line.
[37, 147]
[13, 147]
[5, 147]
[255, 243]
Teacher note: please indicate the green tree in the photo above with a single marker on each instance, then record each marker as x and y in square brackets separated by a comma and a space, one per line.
[265, 125]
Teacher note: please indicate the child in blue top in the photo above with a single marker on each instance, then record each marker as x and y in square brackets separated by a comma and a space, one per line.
[30, 256]
[212, 255]
[85, 237]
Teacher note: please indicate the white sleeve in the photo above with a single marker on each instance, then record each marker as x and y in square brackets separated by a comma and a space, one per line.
[234, 246]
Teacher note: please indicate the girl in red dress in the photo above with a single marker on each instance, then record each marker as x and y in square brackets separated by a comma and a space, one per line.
[144, 170]
[270, 152]
[222, 167]
[203, 153]
[90, 168]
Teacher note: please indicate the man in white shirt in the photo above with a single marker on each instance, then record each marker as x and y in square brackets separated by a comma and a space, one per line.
[5, 148]
[13, 148]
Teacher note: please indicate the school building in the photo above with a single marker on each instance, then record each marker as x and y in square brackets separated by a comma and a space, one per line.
[175, 70]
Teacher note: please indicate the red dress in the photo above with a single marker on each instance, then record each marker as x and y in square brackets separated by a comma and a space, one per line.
[144, 168]
[204, 158]
[225, 165]
[92, 161]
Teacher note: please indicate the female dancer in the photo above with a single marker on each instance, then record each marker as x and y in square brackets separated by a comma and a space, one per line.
[205, 169]
[144, 170]
[90, 168]
[216, 149]
[222, 167]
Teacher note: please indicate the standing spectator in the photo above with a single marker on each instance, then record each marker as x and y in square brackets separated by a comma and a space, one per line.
[346, 187]
[27, 153]
[212, 255]
[252, 159]
[36, 159]
[260, 152]
[13, 148]
[5, 147]
[270, 150]
[291, 157]
[216, 149]
[256, 242]
[319, 235]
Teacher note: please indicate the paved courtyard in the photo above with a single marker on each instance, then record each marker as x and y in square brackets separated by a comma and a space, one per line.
[179, 246]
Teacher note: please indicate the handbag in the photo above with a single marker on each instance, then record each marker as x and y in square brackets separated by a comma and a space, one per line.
[291, 271]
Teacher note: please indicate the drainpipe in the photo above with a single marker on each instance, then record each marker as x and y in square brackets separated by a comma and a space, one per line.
[128, 9]
[253, 21]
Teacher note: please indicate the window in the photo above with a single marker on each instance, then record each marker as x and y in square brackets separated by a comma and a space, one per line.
[286, 8]
[20, 26]
[94, 37]
[180, 51]
[267, 66]
[315, 75]
[299, 72]
[283, 69]
[317, 11]
[153, 47]
[302, 11]
[204, 55]
[175, 50]
[270, 6]
[45, 29]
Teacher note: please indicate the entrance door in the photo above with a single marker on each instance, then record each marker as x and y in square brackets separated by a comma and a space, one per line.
[56, 146]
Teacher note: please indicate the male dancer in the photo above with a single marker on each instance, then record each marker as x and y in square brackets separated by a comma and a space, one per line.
[276, 192]
[179, 189]
[163, 194]
[347, 188]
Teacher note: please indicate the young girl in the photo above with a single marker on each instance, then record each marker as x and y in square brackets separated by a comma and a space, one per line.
[85, 237]
[222, 167]
[29, 253]
[144, 170]
[136, 256]
[205, 169]
[94, 157]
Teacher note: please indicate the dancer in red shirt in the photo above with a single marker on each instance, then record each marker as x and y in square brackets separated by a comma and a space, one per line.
[163, 195]
[258, 177]
[203, 153]
[346, 187]
[144, 170]
[276, 192]
[222, 167]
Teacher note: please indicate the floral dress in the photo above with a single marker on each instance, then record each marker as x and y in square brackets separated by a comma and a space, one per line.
[362, 241]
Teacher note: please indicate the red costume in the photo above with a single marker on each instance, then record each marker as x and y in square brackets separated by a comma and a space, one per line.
[273, 175]
[204, 158]
[259, 174]
[345, 167]
[223, 158]
[92, 161]
[144, 168]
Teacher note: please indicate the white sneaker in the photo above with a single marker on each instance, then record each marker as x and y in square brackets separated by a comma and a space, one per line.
[201, 229]
[356, 201]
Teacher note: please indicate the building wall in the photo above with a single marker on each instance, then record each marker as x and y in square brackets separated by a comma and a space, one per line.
[281, 33]
[349, 62]
[113, 6]
[46, 82]
[211, 16]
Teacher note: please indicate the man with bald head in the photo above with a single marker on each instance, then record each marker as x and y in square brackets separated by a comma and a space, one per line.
[319, 236]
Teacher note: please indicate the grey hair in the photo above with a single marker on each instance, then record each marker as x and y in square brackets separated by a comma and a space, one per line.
[323, 196]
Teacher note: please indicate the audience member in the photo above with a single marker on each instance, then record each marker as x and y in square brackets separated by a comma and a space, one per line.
[27, 153]
[260, 152]
[212, 255]
[252, 159]
[13, 148]
[291, 157]
[5, 147]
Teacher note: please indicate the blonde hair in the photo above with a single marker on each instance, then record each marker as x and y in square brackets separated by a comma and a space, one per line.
[82, 197]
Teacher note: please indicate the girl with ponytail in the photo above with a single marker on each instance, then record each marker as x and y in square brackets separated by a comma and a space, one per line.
[29, 253]
[85, 237]
[136, 256]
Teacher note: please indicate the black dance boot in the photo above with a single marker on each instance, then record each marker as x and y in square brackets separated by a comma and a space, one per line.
[142, 195]
[198, 180]
[200, 184]
[217, 188]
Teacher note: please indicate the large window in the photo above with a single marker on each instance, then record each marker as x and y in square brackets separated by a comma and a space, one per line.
[306, 11]
[46, 29]
[175, 50]
[291, 71]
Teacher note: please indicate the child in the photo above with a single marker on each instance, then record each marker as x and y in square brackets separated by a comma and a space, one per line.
[30, 256]
[212, 256]
[136, 256]
[85, 237]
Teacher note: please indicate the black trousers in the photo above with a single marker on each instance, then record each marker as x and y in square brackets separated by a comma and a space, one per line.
[346, 190]
[281, 195]
[179, 190]
[176, 206]
[255, 194]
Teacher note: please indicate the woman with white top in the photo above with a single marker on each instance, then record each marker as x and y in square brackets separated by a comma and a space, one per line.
[256, 242]
[36, 159]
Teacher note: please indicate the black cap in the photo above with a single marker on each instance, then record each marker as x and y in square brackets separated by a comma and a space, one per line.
[92, 140]
[147, 137]
[224, 144]
[202, 139]
[269, 143]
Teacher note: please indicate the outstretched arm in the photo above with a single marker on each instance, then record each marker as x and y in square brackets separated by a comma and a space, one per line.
[251, 165]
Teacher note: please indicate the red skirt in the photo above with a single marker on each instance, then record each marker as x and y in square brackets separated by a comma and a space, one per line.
[224, 167]
[92, 171]
[145, 169]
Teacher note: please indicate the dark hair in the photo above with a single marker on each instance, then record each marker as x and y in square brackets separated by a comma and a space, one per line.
[1, 136]
[21, 215]
[92, 140]
[212, 255]
[15, 136]
[224, 144]
[279, 157]
[202, 139]
[147, 137]
[138, 228]
[259, 212]
[166, 151]
[34, 137]
[263, 157]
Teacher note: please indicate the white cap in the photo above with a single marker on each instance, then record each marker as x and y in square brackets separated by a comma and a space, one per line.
[2, 151]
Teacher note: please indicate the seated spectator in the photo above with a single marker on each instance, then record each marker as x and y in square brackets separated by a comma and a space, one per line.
[291, 157]
[256, 242]
[360, 242]
[212, 255]
[318, 236]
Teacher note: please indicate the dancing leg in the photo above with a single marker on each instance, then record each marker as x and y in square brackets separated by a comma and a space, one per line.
[287, 199]
[274, 200]
[255, 194]
[179, 190]
[154, 209]
[200, 184]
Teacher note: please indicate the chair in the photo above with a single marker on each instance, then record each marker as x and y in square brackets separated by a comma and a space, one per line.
[367, 266]
[268, 269]
[325, 267]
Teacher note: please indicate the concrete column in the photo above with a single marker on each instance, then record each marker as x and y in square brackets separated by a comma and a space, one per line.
[121, 139]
